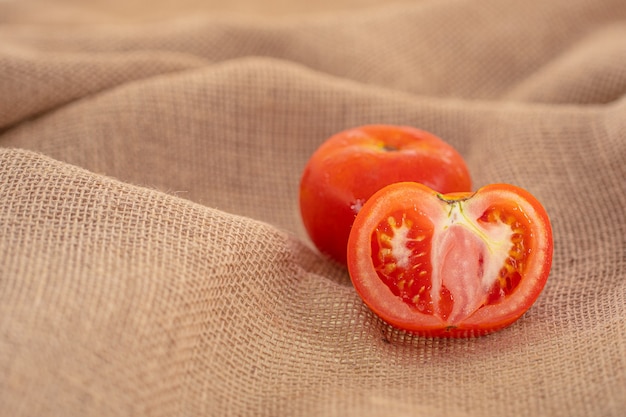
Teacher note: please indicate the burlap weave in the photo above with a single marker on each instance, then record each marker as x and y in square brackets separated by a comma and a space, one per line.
[152, 259]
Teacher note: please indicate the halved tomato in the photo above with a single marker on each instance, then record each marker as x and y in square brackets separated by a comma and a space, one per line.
[451, 265]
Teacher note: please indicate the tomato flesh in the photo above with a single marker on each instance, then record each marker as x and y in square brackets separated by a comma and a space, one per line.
[399, 248]
[433, 262]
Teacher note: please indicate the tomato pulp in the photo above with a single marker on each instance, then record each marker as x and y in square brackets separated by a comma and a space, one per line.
[353, 164]
[451, 265]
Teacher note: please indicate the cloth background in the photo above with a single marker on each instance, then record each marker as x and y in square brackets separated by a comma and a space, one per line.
[152, 259]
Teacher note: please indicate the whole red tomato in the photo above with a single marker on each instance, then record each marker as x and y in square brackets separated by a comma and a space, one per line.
[455, 265]
[352, 165]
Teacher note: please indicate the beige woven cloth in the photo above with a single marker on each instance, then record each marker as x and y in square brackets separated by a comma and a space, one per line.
[152, 258]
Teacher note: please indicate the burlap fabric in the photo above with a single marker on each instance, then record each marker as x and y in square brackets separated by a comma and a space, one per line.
[152, 259]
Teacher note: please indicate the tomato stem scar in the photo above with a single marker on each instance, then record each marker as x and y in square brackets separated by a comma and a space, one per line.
[454, 197]
[389, 148]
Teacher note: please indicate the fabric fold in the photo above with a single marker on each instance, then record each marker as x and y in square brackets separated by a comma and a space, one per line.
[152, 255]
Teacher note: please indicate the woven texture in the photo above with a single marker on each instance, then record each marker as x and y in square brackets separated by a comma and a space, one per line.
[152, 257]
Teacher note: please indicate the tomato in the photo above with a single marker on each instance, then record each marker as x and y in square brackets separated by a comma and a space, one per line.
[352, 165]
[454, 265]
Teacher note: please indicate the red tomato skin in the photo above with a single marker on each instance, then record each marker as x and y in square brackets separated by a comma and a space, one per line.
[485, 320]
[353, 164]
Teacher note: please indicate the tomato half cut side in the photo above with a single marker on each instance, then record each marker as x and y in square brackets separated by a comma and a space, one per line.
[450, 265]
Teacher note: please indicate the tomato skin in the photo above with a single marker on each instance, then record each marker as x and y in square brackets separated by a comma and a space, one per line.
[501, 231]
[353, 164]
